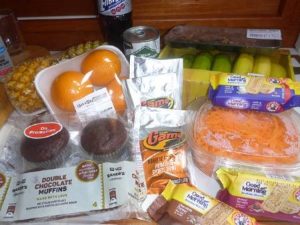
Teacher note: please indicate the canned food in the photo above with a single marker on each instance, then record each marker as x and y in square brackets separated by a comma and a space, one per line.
[141, 41]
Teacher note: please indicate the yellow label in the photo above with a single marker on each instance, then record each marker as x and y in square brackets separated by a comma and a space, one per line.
[295, 196]
[163, 140]
[202, 203]
[237, 218]
[190, 197]
[253, 186]
[254, 84]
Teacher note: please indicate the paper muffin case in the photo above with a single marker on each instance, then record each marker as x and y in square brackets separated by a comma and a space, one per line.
[119, 139]
[120, 154]
[54, 163]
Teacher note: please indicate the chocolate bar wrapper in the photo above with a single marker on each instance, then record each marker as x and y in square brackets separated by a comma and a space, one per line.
[259, 195]
[188, 205]
[254, 92]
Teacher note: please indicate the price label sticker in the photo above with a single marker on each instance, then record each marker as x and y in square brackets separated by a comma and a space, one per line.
[265, 34]
[95, 104]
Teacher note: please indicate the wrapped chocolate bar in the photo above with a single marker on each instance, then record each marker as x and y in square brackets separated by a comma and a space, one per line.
[188, 206]
[254, 92]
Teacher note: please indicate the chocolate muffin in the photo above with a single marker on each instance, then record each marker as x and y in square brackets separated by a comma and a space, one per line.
[104, 138]
[48, 152]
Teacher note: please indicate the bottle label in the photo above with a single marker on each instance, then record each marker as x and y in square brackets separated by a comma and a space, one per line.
[5, 61]
[114, 7]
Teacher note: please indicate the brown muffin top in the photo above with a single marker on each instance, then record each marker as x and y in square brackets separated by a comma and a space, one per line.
[41, 150]
[103, 136]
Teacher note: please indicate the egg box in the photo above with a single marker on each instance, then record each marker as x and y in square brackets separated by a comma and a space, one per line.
[196, 81]
[46, 77]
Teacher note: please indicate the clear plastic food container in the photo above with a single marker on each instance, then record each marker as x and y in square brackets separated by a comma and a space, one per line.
[64, 83]
[219, 136]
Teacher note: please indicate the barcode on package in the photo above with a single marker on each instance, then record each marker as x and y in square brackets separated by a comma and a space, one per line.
[265, 34]
[95, 104]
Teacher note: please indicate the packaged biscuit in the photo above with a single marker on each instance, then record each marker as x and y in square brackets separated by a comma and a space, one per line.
[154, 83]
[162, 146]
[188, 206]
[259, 195]
[254, 92]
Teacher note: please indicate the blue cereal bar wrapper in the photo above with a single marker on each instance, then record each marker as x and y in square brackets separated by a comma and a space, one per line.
[254, 92]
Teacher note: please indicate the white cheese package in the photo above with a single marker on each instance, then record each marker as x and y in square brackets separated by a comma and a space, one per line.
[86, 174]
[154, 83]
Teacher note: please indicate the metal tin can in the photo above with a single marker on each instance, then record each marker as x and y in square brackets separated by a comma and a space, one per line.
[141, 41]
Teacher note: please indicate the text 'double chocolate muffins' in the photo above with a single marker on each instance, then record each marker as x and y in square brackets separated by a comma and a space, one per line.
[48, 151]
[104, 138]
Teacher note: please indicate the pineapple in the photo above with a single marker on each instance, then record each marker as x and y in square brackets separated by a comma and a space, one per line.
[79, 49]
[20, 87]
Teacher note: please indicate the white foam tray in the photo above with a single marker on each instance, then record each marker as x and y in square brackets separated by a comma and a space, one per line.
[45, 78]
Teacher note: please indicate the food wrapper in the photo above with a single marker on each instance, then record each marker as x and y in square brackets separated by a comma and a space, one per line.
[154, 83]
[44, 166]
[224, 38]
[188, 205]
[162, 146]
[260, 195]
[254, 92]
[218, 135]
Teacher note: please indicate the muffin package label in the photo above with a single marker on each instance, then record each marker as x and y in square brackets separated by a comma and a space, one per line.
[260, 195]
[154, 83]
[42, 130]
[60, 191]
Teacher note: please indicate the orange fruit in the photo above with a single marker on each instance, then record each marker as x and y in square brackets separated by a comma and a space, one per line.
[115, 91]
[69, 87]
[104, 66]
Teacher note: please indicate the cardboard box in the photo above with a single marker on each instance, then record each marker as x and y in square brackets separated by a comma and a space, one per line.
[196, 81]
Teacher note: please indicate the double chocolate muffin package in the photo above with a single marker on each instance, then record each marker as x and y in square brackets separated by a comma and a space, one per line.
[45, 166]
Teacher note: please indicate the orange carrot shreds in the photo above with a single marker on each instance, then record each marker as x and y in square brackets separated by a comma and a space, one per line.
[247, 135]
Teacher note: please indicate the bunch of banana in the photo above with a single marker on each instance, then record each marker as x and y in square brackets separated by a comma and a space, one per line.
[203, 61]
[277, 70]
[79, 49]
[188, 60]
[262, 65]
[243, 64]
[222, 63]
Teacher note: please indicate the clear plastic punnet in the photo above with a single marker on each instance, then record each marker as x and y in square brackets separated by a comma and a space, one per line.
[49, 172]
[261, 141]
[87, 83]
